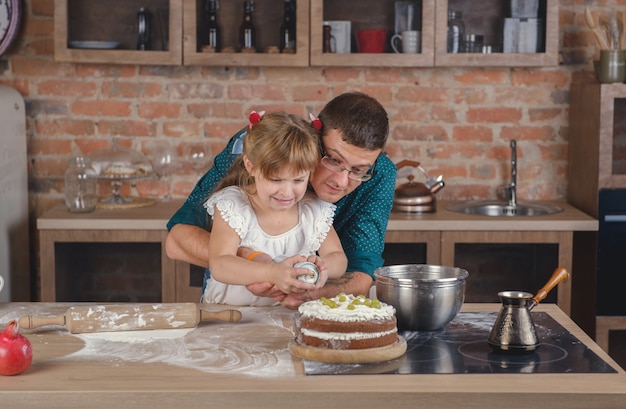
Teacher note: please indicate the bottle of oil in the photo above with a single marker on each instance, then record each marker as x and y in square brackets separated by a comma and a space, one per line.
[213, 35]
[288, 29]
[144, 20]
[247, 31]
[456, 32]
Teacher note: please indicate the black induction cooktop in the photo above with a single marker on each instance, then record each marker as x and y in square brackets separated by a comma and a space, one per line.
[461, 347]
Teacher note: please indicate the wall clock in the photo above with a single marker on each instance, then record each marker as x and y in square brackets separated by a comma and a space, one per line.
[9, 22]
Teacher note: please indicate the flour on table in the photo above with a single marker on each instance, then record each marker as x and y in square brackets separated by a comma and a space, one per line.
[212, 347]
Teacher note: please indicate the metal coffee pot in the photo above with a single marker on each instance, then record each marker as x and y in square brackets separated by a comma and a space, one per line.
[514, 330]
[417, 197]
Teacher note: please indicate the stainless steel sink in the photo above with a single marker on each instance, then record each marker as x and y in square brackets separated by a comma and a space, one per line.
[501, 208]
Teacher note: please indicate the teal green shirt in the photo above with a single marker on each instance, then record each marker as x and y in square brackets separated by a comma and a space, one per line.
[360, 218]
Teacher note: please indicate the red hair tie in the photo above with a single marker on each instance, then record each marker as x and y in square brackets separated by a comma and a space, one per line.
[315, 122]
[255, 118]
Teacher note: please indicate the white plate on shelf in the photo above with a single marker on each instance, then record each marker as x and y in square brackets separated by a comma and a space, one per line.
[100, 45]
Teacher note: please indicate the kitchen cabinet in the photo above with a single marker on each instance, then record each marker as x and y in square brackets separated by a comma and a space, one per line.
[596, 170]
[267, 18]
[93, 31]
[483, 18]
[64, 236]
[510, 260]
[457, 229]
[177, 33]
[487, 18]
[597, 148]
[365, 15]
[439, 232]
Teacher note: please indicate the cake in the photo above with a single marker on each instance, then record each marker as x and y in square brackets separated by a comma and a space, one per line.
[125, 169]
[347, 322]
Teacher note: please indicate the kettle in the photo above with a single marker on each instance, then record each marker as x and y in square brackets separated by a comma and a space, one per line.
[417, 197]
[514, 330]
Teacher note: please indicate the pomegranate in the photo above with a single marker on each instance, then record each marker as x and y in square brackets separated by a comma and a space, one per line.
[16, 352]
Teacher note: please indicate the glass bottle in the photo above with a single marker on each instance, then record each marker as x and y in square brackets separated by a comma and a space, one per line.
[456, 30]
[213, 36]
[327, 45]
[80, 186]
[288, 29]
[143, 29]
[247, 31]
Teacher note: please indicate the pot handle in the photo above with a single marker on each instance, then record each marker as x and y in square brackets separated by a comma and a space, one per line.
[560, 274]
[407, 162]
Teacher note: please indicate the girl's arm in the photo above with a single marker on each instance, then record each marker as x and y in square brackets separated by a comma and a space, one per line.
[228, 268]
[333, 257]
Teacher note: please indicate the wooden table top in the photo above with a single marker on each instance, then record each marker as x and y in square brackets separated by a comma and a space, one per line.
[248, 365]
[155, 217]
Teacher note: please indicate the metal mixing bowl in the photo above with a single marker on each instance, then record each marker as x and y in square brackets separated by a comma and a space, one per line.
[426, 297]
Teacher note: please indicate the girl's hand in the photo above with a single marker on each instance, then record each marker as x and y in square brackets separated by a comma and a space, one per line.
[284, 276]
[321, 266]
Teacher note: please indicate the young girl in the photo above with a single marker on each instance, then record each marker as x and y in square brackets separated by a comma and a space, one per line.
[263, 204]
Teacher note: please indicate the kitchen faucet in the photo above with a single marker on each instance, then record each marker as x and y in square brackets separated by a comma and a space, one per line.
[511, 188]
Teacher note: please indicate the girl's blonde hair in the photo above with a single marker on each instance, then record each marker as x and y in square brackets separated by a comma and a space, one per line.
[277, 142]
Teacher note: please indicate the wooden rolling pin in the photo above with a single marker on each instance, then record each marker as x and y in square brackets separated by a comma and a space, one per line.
[130, 317]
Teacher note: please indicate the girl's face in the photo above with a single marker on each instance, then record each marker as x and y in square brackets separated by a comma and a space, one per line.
[282, 191]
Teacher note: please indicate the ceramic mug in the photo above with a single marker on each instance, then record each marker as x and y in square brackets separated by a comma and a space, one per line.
[371, 41]
[410, 41]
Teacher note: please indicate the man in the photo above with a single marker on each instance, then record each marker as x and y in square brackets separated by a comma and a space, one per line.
[354, 173]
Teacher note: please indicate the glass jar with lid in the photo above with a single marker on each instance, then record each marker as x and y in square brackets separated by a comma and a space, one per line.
[80, 186]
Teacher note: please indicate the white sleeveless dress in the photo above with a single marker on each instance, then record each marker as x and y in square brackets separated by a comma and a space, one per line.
[315, 220]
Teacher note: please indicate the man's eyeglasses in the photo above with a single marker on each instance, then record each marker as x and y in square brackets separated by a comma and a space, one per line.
[333, 164]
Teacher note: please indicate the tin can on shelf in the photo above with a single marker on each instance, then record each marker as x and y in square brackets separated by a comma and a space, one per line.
[312, 276]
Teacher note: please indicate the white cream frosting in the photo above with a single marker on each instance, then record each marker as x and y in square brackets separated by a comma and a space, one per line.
[317, 309]
[346, 336]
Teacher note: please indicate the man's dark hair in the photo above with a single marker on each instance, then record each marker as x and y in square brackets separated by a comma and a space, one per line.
[361, 119]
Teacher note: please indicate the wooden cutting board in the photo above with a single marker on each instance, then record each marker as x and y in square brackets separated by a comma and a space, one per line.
[349, 356]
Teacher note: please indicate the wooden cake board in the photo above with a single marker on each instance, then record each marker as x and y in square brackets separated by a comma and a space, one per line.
[349, 356]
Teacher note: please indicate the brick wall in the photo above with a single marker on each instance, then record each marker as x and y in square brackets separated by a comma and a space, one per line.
[456, 121]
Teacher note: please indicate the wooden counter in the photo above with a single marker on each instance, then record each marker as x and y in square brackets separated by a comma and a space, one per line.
[440, 231]
[570, 219]
[156, 217]
[444, 229]
[134, 225]
[255, 370]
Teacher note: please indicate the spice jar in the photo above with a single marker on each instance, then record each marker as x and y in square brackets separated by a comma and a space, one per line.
[80, 186]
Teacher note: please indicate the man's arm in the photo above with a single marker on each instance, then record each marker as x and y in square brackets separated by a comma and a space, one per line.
[350, 283]
[189, 227]
[188, 243]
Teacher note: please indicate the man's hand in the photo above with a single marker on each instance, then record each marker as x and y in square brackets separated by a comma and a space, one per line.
[266, 289]
[350, 283]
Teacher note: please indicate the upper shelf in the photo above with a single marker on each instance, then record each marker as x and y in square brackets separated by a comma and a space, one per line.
[83, 27]
[372, 14]
[487, 17]
[267, 19]
[177, 39]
